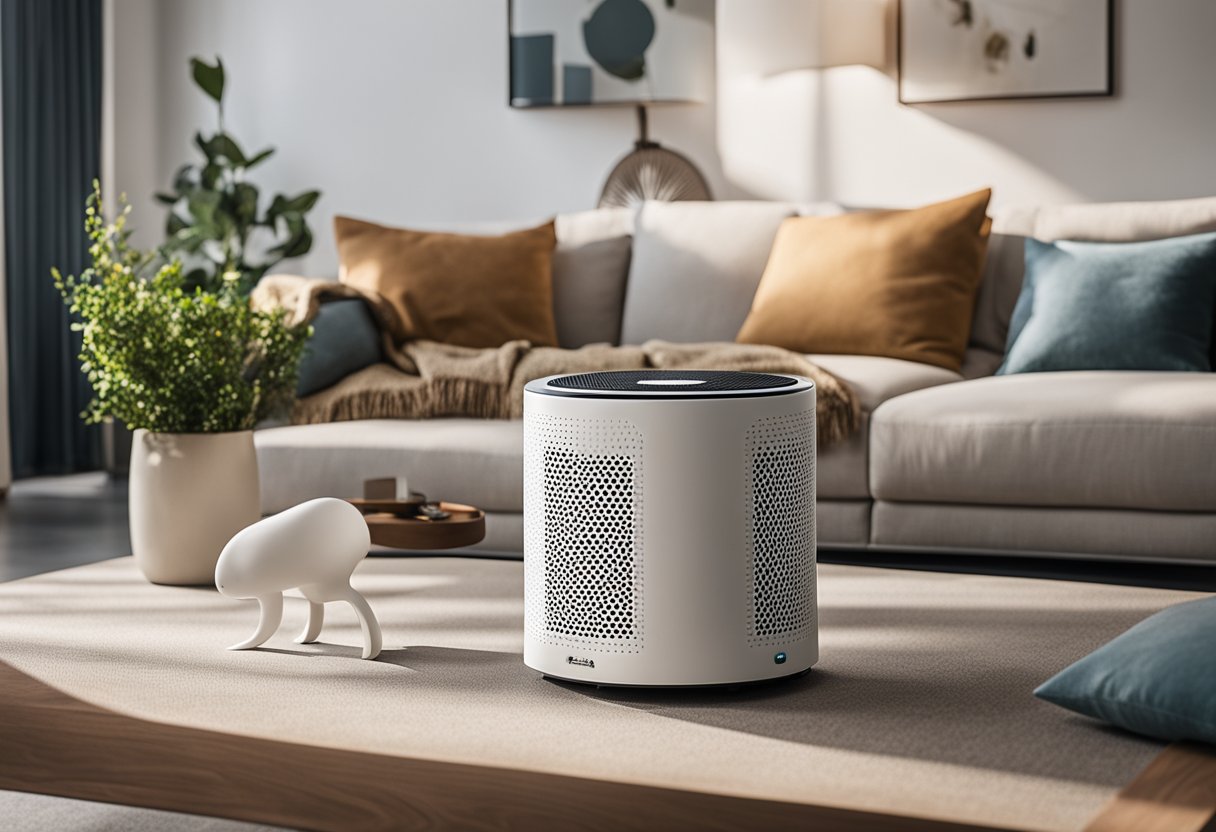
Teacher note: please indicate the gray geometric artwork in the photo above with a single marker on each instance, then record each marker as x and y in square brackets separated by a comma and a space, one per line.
[580, 52]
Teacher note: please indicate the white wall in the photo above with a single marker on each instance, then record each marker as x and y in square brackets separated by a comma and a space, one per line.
[839, 134]
[395, 109]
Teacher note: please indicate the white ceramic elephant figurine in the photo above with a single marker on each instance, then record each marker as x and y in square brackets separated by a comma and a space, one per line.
[314, 547]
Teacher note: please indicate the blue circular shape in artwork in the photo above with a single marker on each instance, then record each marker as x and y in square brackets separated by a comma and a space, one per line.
[617, 35]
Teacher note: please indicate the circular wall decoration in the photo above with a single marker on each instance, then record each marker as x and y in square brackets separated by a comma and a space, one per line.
[617, 35]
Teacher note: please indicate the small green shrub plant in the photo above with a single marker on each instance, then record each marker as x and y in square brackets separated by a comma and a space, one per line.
[169, 357]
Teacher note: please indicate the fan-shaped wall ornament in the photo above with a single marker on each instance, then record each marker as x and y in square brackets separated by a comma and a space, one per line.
[651, 171]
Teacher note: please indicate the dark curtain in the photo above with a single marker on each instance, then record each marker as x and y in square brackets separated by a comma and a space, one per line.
[50, 62]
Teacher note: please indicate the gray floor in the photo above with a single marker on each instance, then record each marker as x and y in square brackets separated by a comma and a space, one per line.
[57, 522]
[54, 523]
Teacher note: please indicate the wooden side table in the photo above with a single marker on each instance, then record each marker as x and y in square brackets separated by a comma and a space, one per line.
[388, 526]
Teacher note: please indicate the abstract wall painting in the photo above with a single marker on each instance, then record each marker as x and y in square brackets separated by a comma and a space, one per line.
[966, 50]
[585, 52]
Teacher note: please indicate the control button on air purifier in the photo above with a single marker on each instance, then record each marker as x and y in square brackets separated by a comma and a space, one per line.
[671, 382]
[780, 658]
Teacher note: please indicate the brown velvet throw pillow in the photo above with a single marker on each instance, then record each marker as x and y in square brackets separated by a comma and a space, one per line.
[459, 289]
[899, 284]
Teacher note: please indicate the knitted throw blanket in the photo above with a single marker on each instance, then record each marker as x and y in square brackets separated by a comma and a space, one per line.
[424, 379]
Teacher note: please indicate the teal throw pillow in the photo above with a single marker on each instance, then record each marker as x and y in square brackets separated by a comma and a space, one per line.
[1115, 306]
[344, 339]
[1157, 679]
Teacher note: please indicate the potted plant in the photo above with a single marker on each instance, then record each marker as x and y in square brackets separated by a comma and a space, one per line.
[215, 225]
[192, 370]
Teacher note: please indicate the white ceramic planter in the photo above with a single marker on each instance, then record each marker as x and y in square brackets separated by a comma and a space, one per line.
[189, 494]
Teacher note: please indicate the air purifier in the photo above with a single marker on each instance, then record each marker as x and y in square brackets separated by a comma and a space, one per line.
[669, 527]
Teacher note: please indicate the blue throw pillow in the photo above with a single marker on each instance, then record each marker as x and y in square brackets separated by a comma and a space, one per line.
[344, 339]
[1157, 679]
[1115, 306]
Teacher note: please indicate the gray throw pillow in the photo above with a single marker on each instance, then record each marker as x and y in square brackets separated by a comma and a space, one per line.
[1157, 679]
[1115, 306]
[589, 291]
[344, 339]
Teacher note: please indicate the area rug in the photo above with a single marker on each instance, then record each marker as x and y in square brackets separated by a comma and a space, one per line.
[920, 706]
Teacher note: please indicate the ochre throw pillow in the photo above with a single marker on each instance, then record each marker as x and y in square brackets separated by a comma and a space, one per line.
[899, 284]
[459, 289]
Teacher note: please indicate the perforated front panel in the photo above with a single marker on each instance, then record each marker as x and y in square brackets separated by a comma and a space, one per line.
[583, 502]
[780, 527]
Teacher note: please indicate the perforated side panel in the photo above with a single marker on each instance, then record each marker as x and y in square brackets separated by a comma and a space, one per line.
[582, 531]
[780, 526]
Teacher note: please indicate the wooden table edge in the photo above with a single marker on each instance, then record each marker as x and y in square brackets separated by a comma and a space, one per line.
[58, 745]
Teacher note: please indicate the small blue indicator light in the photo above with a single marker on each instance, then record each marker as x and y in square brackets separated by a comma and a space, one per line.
[780, 658]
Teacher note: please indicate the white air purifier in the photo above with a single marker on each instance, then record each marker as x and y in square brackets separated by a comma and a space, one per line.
[669, 527]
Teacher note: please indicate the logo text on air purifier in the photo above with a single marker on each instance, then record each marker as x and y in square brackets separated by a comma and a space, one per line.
[580, 662]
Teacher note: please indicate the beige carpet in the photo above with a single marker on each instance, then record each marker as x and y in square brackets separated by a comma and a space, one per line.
[921, 703]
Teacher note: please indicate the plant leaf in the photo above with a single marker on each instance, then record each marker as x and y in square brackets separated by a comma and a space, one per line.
[260, 157]
[221, 145]
[210, 79]
[186, 178]
[302, 203]
[296, 245]
[245, 203]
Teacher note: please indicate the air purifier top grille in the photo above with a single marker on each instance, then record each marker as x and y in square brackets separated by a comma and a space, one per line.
[669, 384]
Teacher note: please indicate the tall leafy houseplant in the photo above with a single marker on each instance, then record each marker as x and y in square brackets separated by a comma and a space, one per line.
[193, 370]
[215, 224]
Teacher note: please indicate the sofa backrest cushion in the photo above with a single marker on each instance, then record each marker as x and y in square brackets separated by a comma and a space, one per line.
[696, 266]
[590, 270]
[994, 302]
[1111, 222]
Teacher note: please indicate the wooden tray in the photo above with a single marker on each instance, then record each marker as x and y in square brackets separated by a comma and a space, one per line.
[466, 526]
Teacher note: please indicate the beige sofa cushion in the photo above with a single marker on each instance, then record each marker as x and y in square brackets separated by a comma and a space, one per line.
[1086, 439]
[843, 469]
[696, 266]
[477, 461]
[1171, 536]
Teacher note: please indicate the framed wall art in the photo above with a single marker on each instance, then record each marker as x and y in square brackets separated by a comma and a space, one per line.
[975, 50]
[597, 52]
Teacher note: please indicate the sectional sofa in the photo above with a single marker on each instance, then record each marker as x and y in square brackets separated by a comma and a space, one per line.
[1077, 464]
